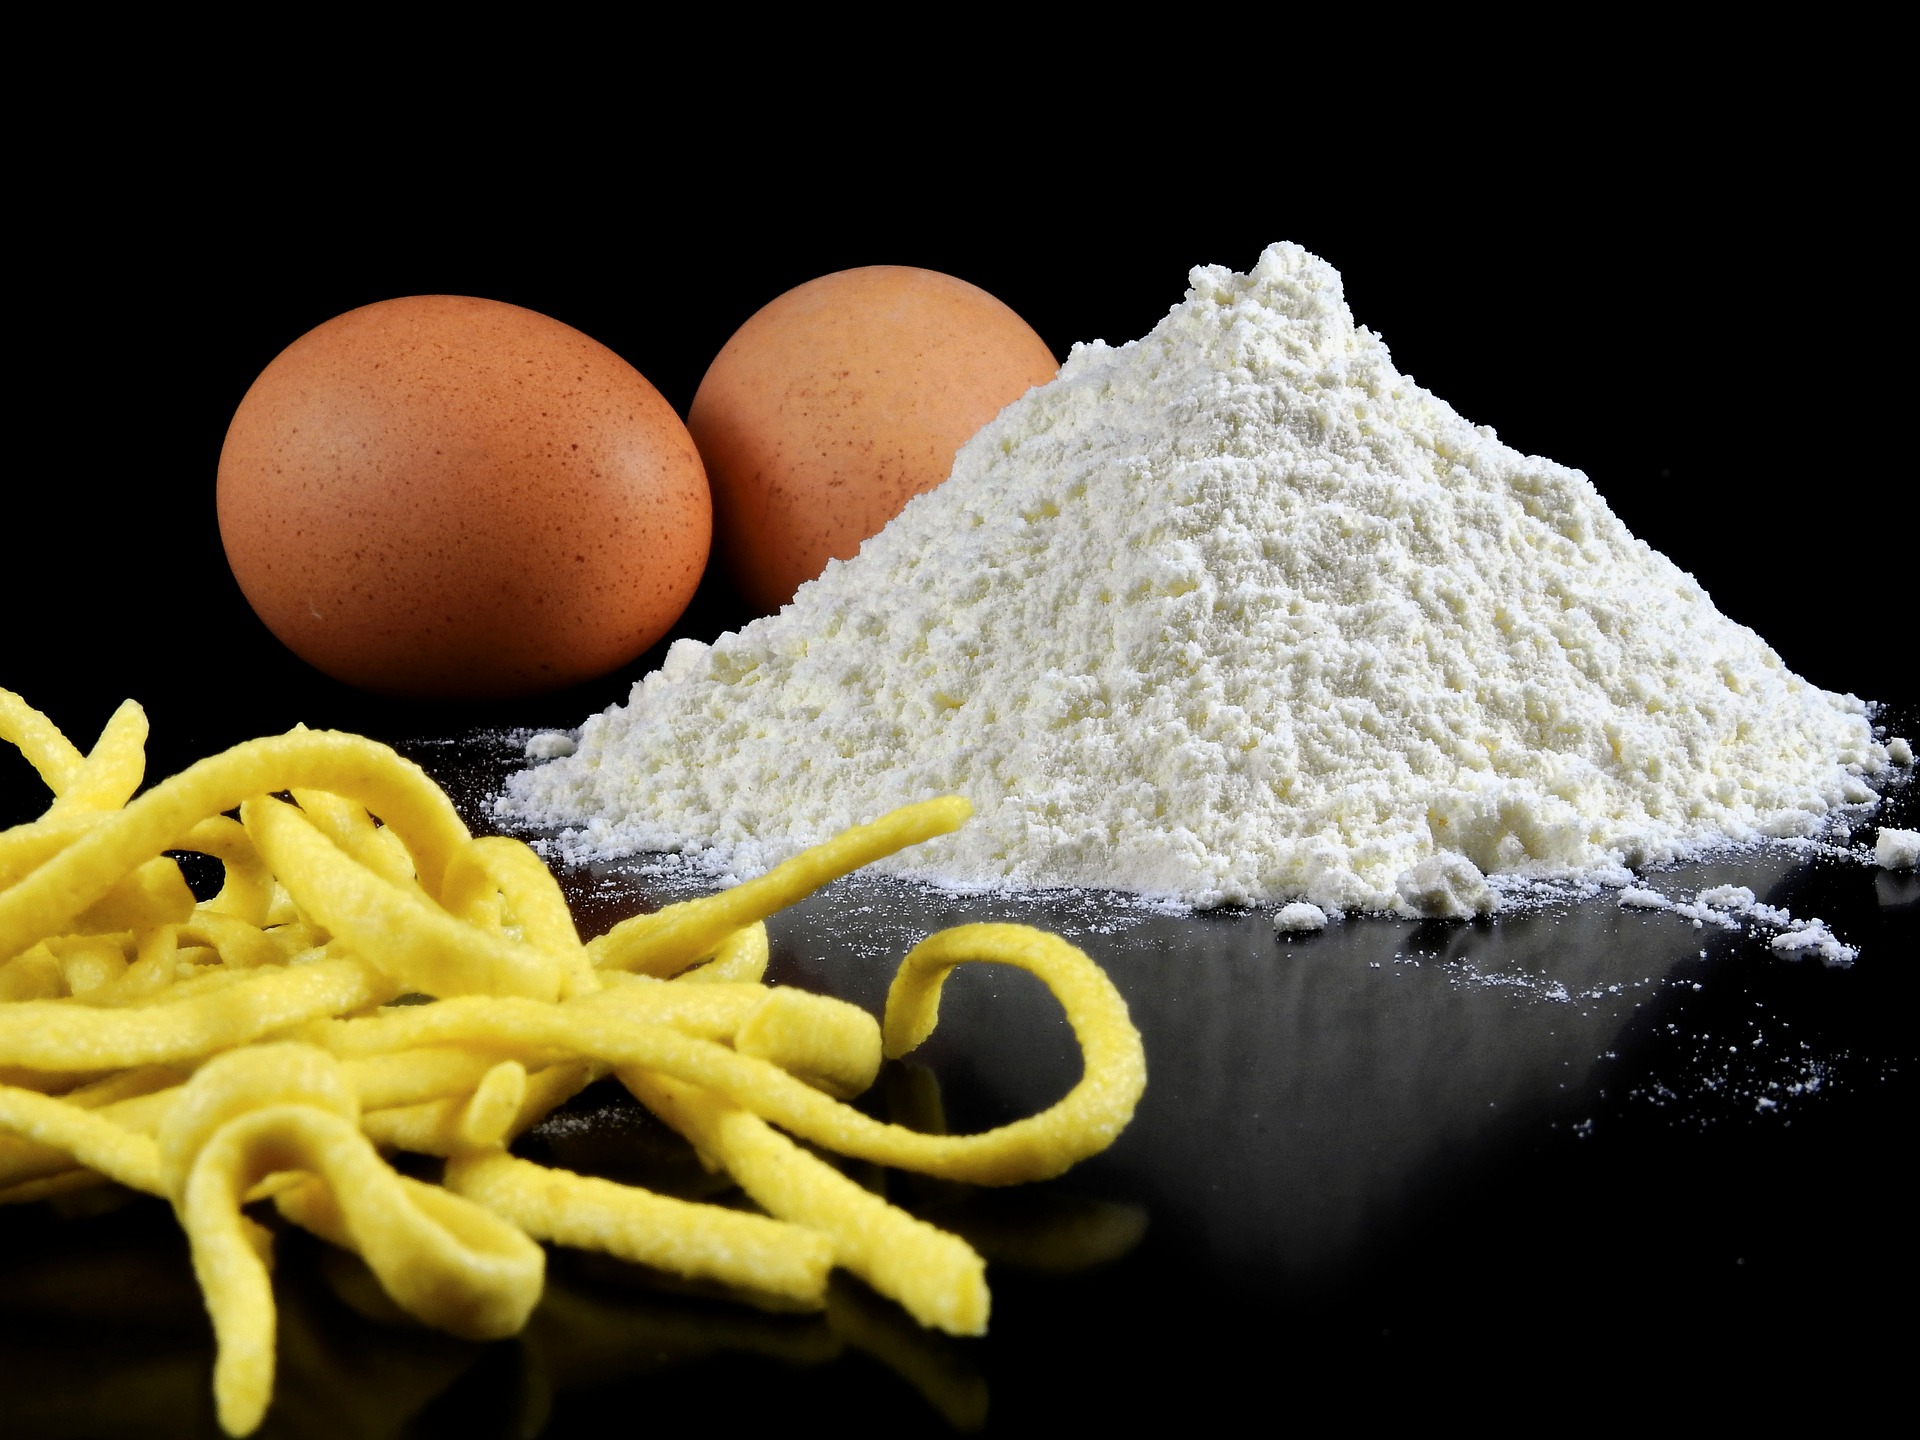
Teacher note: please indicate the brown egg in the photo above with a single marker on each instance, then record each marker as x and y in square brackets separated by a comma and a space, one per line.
[841, 400]
[444, 496]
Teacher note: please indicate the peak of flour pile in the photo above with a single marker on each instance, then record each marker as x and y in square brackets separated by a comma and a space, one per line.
[1233, 613]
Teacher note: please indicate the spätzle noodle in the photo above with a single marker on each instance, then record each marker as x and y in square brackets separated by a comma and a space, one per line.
[39, 741]
[92, 1140]
[84, 871]
[246, 1049]
[702, 1242]
[935, 1276]
[669, 940]
[57, 1035]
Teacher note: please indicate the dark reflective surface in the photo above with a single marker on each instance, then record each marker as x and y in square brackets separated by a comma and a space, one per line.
[1570, 1157]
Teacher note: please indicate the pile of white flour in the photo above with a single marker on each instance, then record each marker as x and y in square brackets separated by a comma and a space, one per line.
[1234, 613]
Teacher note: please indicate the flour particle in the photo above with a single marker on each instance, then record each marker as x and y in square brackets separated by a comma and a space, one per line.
[1298, 917]
[1897, 849]
[1235, 613]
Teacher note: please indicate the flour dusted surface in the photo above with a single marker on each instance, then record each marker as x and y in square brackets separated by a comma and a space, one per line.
[1234, 613]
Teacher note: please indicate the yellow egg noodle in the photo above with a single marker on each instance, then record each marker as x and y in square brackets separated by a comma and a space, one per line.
[248, 1049]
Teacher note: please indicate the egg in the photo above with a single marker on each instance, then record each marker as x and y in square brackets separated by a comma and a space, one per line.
[838, 402]
[443, 496]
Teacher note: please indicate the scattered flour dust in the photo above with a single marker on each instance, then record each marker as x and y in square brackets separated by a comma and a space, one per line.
[1726, 906]
[1236, 613]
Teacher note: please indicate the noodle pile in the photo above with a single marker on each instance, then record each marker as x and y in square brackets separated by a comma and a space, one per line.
[270, 1044]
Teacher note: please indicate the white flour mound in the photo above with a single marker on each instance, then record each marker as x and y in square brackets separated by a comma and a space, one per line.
[1236, 613]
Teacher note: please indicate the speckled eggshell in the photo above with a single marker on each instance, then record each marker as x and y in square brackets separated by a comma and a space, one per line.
[441, 496]
[838, 402]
